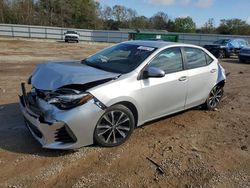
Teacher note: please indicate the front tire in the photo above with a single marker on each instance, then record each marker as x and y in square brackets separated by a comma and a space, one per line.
[114, 127]
[214, 98]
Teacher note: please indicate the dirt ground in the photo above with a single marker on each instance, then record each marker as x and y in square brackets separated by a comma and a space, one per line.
[195, 148]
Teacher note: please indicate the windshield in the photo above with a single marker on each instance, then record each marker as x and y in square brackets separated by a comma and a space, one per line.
[222, 41]
[71, 32]
[121, 58]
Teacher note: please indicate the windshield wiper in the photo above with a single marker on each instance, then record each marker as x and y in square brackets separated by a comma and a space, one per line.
[91, 64]
[95, 66]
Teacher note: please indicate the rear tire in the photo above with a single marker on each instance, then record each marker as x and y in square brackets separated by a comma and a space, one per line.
[242, 61]
[227, 55]
[214, 98]
[114, 127]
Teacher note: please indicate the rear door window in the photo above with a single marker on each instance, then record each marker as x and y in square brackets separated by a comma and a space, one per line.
[195, 57]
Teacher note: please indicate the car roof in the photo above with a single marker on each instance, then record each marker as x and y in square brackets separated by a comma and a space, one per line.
[231, 39]
[151, 43]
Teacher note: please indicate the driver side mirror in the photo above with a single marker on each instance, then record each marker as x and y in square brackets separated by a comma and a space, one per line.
[153, 72]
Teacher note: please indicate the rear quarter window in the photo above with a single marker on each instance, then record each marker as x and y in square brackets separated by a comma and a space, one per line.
[209, 59]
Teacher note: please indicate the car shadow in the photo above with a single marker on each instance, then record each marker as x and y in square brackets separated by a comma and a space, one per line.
[198, 108]
[60, 41]
[69, 42]
[15, 137]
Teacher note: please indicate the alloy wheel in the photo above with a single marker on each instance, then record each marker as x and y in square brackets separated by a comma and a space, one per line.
[114, 127]
[215, 97]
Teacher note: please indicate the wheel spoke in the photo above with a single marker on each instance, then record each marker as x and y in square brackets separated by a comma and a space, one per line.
[108, 139]
[217, 99]
[123, 128]
[112, 117]
[119, 119]
[211, 102]
[100, 134]
[103, 126]
[107, 119]
[219, 95]
[121, 132]
[123, 121]
[114, 137]
[212, 92]
[210, 98]
[218, 92]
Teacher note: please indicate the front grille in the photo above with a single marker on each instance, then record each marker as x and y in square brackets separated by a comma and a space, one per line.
[65, 135]
[33, 128]
[70, 37]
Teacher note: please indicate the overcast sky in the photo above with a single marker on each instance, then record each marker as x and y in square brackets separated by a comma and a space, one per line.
[199, 10]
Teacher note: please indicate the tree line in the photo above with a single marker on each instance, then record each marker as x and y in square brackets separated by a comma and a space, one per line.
[89, 14]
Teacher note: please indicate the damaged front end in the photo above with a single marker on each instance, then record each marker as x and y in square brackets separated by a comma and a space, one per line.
[58, 110]
[58, 119]
[45, 128]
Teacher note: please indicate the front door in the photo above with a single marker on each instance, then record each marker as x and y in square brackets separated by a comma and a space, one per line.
[166, 95]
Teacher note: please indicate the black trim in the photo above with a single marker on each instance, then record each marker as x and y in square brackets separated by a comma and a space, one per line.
[24, 97]
[65, 135]
[99, 104]
[33, 128]
[184, 57]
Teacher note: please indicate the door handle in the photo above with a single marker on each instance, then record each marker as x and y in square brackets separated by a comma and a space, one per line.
[183, 78]
[213, 70]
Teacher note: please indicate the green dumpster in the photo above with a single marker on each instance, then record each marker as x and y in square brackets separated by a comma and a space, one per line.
[153, 36]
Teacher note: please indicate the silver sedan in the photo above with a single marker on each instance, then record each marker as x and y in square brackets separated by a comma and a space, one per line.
[102, 98]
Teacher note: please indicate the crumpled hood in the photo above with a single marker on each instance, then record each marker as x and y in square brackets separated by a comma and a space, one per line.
[53, 75]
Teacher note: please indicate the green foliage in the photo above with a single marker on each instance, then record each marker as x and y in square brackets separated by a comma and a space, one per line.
[159, 21]
[209, 26]
[185, 25]
[233, 26]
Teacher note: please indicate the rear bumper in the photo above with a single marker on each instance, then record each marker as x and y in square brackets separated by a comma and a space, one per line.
[57, 129]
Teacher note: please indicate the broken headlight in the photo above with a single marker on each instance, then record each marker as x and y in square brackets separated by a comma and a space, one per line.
[65, 100]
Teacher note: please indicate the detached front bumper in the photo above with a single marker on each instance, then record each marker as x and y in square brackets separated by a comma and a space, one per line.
[60, 129]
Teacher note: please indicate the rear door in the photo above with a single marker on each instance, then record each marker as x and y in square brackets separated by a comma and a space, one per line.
[162, 96]
[202, 75]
